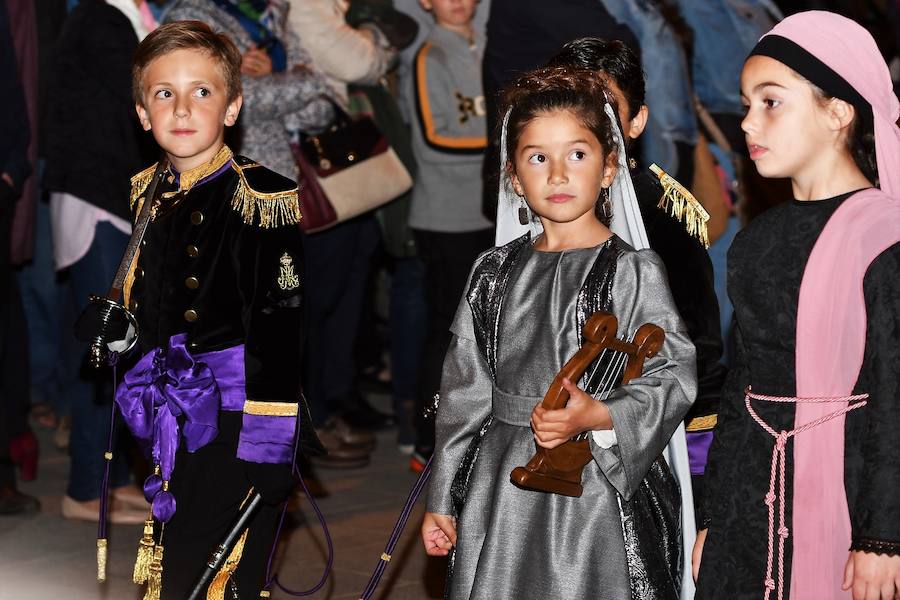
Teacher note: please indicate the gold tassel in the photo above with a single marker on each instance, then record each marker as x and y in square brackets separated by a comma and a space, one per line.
[273, 209]
[682, 205]
[101, 560]
[216, 590]
[144, 554]
[154, 581]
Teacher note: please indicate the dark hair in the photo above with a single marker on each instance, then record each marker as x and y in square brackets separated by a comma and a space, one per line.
[612, 57]
[187, 35]
[860, 137]
[581, 92]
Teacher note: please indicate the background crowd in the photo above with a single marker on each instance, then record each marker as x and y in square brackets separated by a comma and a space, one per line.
[382, 287]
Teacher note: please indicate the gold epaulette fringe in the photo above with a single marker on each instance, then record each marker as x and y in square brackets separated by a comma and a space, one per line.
[140, 182]
[266, 209]
[682, 205]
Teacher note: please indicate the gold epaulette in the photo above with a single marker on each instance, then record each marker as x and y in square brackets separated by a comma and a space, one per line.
[682, 205]
[261, 197]
[140, 182]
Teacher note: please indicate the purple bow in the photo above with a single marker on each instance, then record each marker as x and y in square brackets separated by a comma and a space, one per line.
[167, 395]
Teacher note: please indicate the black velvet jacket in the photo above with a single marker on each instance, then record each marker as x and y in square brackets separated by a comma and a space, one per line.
[222, 261]
[691, 281]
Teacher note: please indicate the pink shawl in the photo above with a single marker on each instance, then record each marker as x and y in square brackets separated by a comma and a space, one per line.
[831, 319]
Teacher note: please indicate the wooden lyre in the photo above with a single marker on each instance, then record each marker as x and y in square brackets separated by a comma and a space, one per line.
[558, 470]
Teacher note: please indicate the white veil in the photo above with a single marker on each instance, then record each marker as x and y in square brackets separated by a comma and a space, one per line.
[628, 225]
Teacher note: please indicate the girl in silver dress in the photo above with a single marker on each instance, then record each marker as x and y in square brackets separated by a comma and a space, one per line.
[517, 325]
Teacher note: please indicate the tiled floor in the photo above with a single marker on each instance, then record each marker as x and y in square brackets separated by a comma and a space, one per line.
[44, 557]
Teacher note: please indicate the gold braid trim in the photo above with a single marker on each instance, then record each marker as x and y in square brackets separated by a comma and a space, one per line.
[273, 209]
[702, 423]
[139, 183]
[270, 409]
[682, 205]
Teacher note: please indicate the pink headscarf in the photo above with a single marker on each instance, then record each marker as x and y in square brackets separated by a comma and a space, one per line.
[831, 319]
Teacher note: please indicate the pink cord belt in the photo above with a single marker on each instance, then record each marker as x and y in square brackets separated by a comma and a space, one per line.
[778, 461]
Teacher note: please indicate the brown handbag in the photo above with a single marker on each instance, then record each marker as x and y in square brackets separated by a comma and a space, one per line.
[347, 170]
[558, 470]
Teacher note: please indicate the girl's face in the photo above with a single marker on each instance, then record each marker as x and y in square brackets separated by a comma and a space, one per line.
[560, 168]
[788, 130]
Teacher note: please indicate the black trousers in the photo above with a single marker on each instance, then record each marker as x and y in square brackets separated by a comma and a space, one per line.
[14, 372]
[209, 487]
[448, 258]
[337, 263]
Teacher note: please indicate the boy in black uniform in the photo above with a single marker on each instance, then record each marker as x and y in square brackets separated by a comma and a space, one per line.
[216, 289]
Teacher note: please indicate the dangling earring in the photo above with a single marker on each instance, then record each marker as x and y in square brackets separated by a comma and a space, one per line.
[606, 207]
[632, 164]
[524, 217]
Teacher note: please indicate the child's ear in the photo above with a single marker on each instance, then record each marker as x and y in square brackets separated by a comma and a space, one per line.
[610, 169]
[638, 122]
[233, 110]
[517, 185]
[425, 4]
[841, 113]
[143, 117]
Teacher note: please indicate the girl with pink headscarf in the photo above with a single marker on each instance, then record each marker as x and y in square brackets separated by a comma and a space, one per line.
[804, 471]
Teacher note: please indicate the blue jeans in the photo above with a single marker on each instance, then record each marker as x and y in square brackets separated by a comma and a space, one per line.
[89, 392]
[44, 297]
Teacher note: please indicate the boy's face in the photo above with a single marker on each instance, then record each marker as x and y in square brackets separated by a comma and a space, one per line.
[451, 13]
[186, 106]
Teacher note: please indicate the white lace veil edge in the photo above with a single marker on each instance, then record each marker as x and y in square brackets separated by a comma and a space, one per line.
[626, 215]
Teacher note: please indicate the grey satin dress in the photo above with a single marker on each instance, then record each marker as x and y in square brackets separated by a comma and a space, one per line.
[514, 543]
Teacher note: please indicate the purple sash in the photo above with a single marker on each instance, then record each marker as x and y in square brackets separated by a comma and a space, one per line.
[168, 383]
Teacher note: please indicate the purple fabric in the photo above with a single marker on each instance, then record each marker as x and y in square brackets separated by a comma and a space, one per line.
[168, 383]
[698, 448]
[267, 439]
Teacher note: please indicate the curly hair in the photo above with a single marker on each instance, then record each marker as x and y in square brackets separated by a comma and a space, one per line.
[581, 92]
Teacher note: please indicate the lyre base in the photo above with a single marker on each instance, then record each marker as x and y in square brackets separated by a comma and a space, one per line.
[555, 470]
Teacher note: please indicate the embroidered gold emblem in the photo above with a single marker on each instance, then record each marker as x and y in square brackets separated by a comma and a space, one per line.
[287, 279]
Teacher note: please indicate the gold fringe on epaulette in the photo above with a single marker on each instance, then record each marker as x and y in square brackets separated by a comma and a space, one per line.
[267, 210]
[216, 590]
[101, 559]
[682, 205]
[140, 182]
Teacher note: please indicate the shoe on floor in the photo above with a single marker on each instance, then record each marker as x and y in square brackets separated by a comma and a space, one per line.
[340, 454]
[130, 497]
[357, 411]
[419, 459]
[14, 502]
[90, 511]
[352, 436]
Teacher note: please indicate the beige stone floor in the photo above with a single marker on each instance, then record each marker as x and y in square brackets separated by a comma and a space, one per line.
[45, 557]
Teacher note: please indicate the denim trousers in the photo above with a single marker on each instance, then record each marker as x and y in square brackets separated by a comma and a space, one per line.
[89, 391]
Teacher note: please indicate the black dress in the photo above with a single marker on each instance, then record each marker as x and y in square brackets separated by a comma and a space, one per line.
[765, 268]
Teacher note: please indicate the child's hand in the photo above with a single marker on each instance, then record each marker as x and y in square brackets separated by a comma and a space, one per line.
[697, 553]
[582, 413]
[438, 534]
[872, 576]
[256, 62]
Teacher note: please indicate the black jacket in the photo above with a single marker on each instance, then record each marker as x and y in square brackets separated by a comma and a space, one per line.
[690, 276]
[95, 142]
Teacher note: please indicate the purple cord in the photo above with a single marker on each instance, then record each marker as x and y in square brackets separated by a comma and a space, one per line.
[398, 530]
[273, 577]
